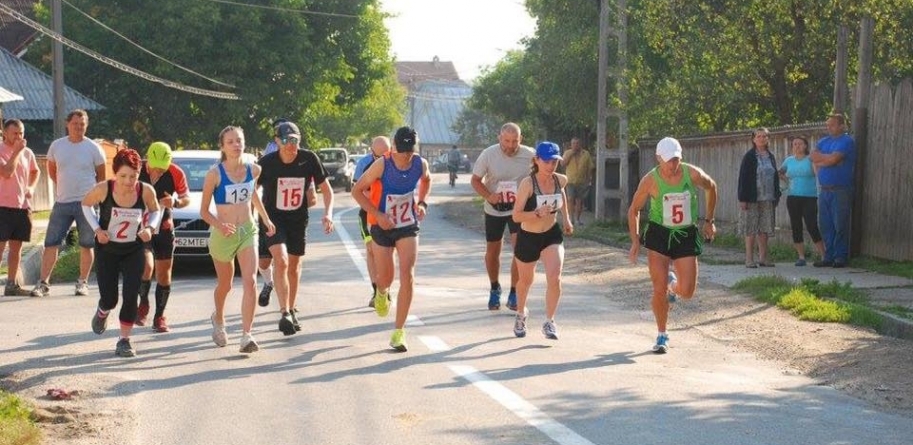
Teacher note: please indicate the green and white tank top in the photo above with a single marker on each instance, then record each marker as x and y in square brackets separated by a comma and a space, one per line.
[676, 205]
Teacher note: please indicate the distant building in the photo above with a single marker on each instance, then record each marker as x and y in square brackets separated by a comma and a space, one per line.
[436, 97]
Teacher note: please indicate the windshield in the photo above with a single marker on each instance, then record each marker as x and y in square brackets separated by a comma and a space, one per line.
[331, 156]
[195, 170]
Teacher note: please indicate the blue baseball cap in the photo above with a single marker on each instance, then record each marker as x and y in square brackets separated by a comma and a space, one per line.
[548, 151]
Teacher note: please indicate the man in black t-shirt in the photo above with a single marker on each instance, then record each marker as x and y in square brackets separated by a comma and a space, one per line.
[285, 177]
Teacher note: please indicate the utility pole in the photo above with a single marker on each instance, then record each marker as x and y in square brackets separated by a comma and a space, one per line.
[57, 69]
[622, 86]
[861, 129]
[840, 88]
[602, 108]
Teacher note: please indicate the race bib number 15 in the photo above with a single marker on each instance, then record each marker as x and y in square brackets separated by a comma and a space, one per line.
[290, 193]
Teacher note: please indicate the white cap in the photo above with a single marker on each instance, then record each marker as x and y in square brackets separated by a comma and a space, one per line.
[669, 148]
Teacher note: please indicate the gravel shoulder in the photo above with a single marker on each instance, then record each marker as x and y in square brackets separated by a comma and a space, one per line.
[856, 361]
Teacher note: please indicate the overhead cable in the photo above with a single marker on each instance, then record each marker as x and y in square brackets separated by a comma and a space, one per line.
[279, 8]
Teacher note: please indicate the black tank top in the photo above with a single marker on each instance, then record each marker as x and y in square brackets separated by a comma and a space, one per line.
[532, 202]
[124, 222]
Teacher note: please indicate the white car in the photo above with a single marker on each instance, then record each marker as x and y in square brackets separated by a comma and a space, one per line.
[191, 233]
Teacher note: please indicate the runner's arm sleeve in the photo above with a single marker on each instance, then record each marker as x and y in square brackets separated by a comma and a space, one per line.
[153, 220]
[91, 217]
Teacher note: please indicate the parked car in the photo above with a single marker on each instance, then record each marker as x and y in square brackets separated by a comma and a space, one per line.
[191, 233]
[339, 168]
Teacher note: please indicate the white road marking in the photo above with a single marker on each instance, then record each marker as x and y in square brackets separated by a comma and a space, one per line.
[523, 409]
[501, 394]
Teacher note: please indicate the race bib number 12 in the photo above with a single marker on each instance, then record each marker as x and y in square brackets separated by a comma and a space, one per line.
[399, 210]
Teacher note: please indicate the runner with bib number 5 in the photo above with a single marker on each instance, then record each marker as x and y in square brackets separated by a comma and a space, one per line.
[671, 235]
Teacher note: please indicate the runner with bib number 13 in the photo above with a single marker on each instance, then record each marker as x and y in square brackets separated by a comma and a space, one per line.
[671, 235]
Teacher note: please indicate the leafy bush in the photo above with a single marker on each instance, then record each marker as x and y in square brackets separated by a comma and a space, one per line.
[16, 427]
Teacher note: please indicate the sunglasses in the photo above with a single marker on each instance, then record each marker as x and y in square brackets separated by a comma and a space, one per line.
[290, 140]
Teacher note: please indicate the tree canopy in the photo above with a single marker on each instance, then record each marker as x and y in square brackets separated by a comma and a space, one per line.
[693, 67]
[328, 69]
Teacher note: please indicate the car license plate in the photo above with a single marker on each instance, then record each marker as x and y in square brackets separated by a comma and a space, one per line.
[192, 242]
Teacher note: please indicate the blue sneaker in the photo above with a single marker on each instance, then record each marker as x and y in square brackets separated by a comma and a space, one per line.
[512, 300]
[662, 344]
[672, 280]
[494, 299]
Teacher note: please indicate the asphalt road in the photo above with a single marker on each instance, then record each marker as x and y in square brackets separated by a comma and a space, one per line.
[465, 380]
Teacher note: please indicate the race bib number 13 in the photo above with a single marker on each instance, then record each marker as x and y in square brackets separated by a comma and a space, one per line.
[677, 209]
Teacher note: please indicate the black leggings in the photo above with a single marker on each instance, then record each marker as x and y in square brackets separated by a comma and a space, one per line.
[109, 267]
[803, 207]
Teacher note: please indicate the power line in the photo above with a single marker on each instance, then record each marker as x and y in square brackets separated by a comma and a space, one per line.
[99, 23]
[114, 63]
[279, 8]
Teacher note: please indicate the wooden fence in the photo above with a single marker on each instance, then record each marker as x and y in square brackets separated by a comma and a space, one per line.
[887, 203]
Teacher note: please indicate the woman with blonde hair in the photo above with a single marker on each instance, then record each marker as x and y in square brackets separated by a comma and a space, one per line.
[233, 232]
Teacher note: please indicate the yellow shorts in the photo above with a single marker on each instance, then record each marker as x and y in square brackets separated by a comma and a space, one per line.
[225, 248]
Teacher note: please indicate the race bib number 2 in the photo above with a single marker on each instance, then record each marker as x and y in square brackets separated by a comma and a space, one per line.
[290, 193]
[124, 224]
[399, 210]
[677, 209]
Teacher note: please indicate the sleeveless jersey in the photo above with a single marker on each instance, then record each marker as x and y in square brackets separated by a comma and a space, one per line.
[172, 181]
[394, 193]
[230, 193]
[676, 205]
[538, 199]
[121, 223]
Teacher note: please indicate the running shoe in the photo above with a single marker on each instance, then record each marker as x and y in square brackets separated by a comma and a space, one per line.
[669, 294]
[265, 292]
[286, 325]
[41, 289]
[520, 323]
[800, 262]
[99, 322]
[124, 348]
[82, 288]
[371, 301]
[248, 344]
[219, 336]
[512, 300]
[550, 330]
[381, 304]
[662, 344]
[15, 290]
[398, 340]
[142, 314]
[160, 325]
[494, 299]
[294, 313]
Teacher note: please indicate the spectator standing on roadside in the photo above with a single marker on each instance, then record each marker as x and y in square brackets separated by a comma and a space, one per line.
[580, 171]
[18, 175]
[75, 164]
[496, 177]
[802, 197]
[835, 159]
[759, 192]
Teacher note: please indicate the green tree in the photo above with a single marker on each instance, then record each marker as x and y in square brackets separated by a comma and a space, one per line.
[310, 68]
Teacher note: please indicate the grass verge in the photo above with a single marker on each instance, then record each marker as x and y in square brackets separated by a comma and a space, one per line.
[812, 300]
[41, 214]
[16, 426]
[67, 268]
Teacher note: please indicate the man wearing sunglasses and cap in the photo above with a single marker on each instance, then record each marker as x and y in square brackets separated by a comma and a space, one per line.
[671, 236]
[168, 180]
[285, 177]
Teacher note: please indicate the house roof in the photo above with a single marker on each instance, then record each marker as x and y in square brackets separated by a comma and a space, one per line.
[433, 108]
[37, 91]
[15, 36]
[410, 73]
[8, 96]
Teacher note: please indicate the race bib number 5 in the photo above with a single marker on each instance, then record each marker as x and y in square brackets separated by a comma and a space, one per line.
[677, 209]
[290, 193]
[399, 210]
[124, 224]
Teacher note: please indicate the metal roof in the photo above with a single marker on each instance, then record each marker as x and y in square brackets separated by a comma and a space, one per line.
[37, 91]
[8, 96]
[410, 74]
[433, 108]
